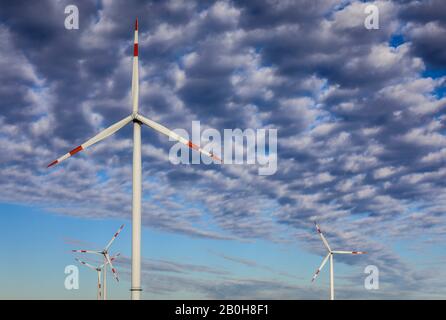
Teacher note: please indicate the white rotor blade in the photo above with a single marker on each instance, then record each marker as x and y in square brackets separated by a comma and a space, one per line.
[111, 259]
[322, 237]
[320, 268]
[115, 273]
[162, 129]
[100, 136]
[350, 252]
[87, 251]
[85, 264]
[115, 256]
[135, 74]
[114, 237]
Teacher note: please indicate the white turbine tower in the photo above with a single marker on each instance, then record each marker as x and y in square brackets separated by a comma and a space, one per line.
[101, 291]
[330, 255]
[137, 120]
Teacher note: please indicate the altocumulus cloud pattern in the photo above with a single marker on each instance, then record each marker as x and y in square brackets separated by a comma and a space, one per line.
[359, 113]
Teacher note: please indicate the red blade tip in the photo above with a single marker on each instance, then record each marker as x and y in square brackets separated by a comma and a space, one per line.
[52, 163]
[136, 24]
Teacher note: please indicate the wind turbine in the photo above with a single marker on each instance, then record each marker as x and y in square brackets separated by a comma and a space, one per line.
[107, 260]
[137, 120]
[99, 269]
[330, 255]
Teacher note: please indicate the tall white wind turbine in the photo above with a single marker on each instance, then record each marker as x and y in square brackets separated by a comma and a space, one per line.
[101, 290]
[330, 256]
[137, 120]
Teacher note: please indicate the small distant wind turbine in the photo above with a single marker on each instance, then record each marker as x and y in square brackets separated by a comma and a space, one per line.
[137, 120]
[107, 260]
[330, 255]
[99, 269]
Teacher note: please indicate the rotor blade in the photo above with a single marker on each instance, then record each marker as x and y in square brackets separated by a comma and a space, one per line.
[322, 237]
[85, 264]
[114, 237]
[115, 256]
[320, 268]
[111, 259]
[100, 136]
[135, 75]
[350, 252]
[87, 251]
[115, 273]
[162, 129]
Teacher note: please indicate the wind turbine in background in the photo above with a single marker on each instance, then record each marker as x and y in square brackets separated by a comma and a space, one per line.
[102, 291]
[330, 255]
[107, 260]
[137, 120]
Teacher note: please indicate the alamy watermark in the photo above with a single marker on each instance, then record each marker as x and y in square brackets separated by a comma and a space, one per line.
[72, 19]
[249, 146]
[72, 279]
[371, 21]
[371, 282]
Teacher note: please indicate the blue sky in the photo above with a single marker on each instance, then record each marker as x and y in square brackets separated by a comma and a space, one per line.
[361, 146]
[39, 244]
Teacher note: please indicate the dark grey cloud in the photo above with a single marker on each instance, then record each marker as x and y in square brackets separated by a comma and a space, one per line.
[426, 30]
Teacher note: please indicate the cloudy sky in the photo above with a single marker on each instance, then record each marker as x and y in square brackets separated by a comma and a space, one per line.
[361, 146]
